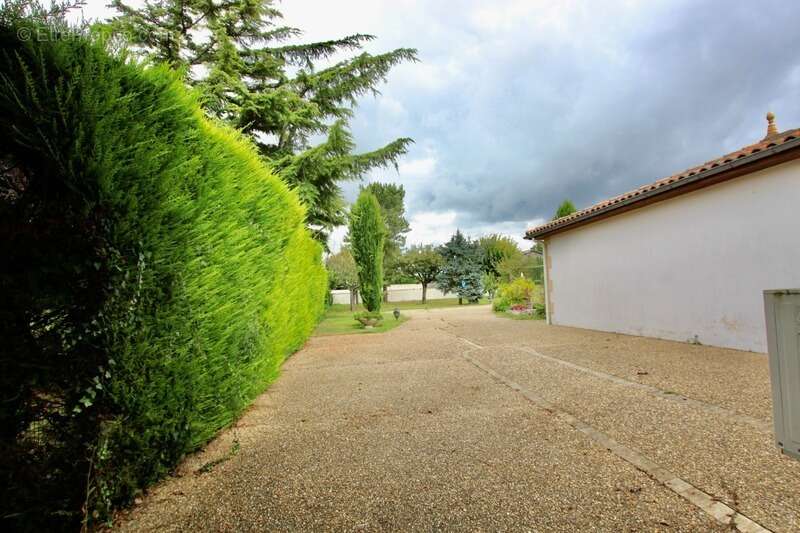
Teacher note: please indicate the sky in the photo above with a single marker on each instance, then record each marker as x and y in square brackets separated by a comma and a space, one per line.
[516, 105]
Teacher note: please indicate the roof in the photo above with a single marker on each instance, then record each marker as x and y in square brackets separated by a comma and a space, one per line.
[773, 149]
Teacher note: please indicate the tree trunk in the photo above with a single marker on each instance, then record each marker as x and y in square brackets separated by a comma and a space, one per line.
[459, 301]
[352, 300]
[424, 292]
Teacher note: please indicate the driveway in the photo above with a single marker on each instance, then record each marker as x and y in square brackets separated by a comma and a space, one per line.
[459, 420]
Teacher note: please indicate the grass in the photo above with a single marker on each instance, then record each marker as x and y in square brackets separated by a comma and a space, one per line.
[338, 322]
[339, 318]
[430, 304]
[518, 316]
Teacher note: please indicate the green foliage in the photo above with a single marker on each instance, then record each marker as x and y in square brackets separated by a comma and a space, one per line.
[519, 291]
[155, 276]
[490, 284]
[340, 322]
[342, 271]
[369, 318]
[238, 53]
[367, 233]
[495, 249]
[462, 271]
[565, 209]
[501, 304]
[529, 266]
[391, 198]
[422, 264]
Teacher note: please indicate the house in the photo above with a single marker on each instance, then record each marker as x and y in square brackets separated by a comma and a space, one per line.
[686, 257]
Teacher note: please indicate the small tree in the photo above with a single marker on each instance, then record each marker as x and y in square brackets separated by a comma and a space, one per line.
[367, 232]
[565, 209]
[490, 283]
[342, 273]
[495, 248]
[423, 263]
[529, 266]
[463, 269]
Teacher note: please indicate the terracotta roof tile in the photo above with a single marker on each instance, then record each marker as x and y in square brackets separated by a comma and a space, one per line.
[768, 142]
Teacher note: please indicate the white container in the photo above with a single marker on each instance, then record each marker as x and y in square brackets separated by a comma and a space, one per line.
[782, 309]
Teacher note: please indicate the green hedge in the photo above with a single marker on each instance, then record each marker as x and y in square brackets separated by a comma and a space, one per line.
[158, 274]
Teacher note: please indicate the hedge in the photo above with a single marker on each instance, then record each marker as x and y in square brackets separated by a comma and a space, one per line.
[157, 275]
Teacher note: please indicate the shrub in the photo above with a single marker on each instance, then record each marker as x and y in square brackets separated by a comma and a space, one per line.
[519, 291]
[368, 318]
[367, 233]
[156, 276]
[501, 304]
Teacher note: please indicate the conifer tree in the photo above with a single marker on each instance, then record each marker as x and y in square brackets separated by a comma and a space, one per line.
[462, 272]
[367, 232]
[565, 209]
[240, 55]
[391, 198]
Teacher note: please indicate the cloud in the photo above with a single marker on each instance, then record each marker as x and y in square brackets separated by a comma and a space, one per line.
[519, 104]
[419, 168]
[431, 227]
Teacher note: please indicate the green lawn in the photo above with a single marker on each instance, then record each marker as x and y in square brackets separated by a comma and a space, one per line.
[339, 318]
[521, 316]
[430, 304]
[341, 322]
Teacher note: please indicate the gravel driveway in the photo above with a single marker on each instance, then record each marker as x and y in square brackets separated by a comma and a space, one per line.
[459, 420]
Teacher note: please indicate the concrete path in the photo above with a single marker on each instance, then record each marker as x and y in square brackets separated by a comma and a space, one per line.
[459, 420]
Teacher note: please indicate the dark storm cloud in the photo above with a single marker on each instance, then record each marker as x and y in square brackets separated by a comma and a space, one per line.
[585, 104]
[519, 104]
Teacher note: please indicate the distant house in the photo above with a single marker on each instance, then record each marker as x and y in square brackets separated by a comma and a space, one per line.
[686, 257]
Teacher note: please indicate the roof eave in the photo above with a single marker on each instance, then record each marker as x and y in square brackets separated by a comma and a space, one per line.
[765, 158]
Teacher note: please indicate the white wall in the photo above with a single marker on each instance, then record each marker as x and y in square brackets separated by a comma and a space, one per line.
[692, 265]
[398, 293]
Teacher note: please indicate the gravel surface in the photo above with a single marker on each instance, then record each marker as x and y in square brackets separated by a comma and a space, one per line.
[397, 431]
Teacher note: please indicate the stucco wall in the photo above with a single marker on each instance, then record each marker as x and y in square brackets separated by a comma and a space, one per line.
[693, 265]
[399, 293]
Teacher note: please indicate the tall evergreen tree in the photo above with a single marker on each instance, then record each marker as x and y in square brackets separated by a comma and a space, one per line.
[462, 272]
[367, 232]
[391, 197]
[241, 56]
[565, 209]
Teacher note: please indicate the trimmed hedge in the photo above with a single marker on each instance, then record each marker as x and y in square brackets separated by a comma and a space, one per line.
[158, 274]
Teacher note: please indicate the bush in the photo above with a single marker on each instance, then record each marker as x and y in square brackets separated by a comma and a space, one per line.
[368, 318]
[156, 276]
[519, 291]
[501, 304]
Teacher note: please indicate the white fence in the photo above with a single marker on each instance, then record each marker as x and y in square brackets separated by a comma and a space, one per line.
[397, 293]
